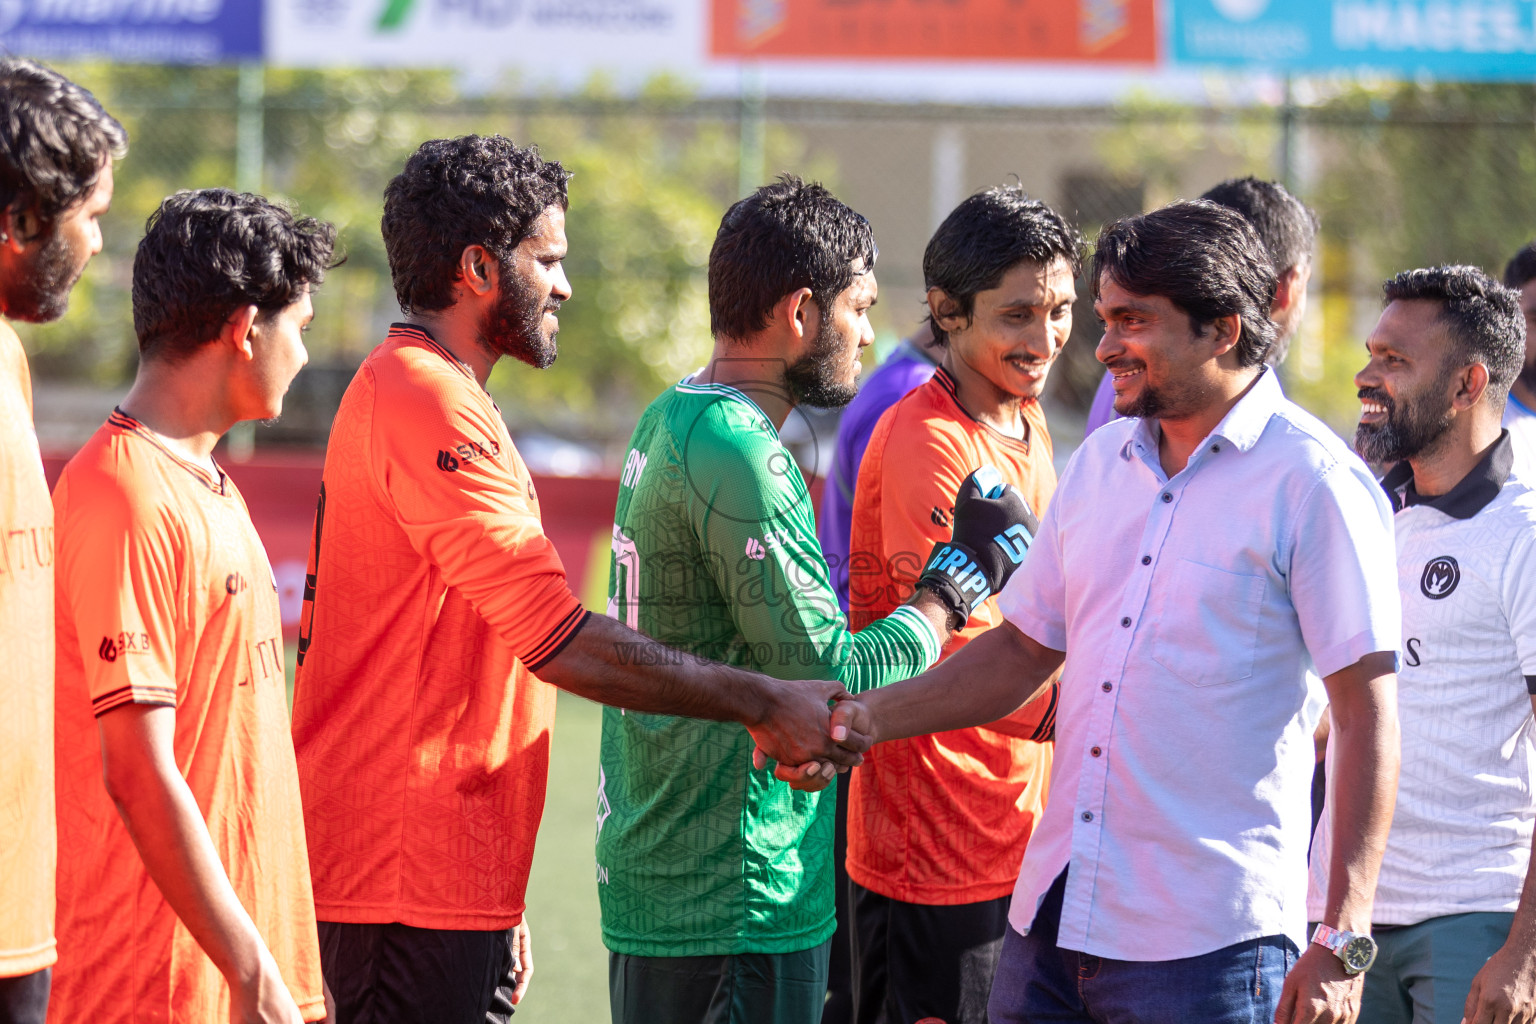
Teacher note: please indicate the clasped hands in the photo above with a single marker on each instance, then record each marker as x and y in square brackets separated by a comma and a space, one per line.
[811, 749]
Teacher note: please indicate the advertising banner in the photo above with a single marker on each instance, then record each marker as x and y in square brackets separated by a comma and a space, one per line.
[1120, 31]
[136, 31]
[1489, 39]
[569, 39]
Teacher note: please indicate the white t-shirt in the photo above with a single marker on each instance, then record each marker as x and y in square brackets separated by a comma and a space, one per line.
[1461, 833]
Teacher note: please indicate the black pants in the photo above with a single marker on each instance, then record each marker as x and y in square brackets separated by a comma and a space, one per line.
[839, 1006]
[396, 974]
[24, 1000]
[912, 961]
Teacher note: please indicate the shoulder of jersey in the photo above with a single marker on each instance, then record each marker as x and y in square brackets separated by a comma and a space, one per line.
[717, 416]
[924, 417]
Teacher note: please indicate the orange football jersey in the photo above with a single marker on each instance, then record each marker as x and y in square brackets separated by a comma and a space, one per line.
[26, 650]
[941, 819]
[166, 597]
[434, 595]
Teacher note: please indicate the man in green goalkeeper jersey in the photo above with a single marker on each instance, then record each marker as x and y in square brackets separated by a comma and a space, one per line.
[715, 878]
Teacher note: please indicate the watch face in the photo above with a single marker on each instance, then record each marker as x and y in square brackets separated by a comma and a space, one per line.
[1358, 953]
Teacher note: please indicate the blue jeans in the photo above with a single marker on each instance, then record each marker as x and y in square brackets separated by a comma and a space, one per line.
[1038, 982]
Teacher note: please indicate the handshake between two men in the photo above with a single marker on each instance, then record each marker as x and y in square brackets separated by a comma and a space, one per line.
[993, 529]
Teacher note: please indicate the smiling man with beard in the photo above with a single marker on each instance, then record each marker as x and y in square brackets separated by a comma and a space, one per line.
[437, 614]
[715, 879]
[1454, 914]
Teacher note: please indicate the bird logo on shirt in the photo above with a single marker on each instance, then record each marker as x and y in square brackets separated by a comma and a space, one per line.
[1440, 578]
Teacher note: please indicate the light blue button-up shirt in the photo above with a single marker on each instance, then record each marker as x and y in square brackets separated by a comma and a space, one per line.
[1190, 609]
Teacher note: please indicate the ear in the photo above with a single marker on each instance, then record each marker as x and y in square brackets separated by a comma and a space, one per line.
[1471, 384]
[478, 270]
[17, 226]
[236, 332]
[1289, 287]
[1225, 333]
[945, 310]
[797, 313]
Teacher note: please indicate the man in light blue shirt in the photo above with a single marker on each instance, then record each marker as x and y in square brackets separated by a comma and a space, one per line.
[1197, 559]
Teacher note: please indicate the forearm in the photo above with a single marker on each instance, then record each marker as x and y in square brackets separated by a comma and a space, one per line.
[986, 680]
[168, 830]
[611, 664]
[1362, 789]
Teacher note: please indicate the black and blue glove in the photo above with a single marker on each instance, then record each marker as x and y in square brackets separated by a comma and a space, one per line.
[993, 528]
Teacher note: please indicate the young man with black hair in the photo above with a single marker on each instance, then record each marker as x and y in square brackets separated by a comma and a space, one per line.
[716, 880]
[1520, 408]
[438, 615]
[1455, 907]
[1195, 559]
[937, 824]
[1288, 229]
[185, 895]
[56, 150]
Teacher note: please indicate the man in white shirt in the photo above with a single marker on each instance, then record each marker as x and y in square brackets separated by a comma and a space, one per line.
[1196, 560]
[1449, 343]
[1520, 410]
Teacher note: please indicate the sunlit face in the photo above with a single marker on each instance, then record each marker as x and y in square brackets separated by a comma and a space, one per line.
[1017, 329]
[1405, 387]
[1160, 364]
[51, 265]
[278, 354]
[523, 324]
[827, 376]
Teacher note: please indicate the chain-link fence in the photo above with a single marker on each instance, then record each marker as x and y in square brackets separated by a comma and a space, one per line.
[1401, 175]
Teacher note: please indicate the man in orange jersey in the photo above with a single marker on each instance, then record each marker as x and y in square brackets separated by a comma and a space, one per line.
[185, 896]
[421, 727]
[937, 824]
[56, 152]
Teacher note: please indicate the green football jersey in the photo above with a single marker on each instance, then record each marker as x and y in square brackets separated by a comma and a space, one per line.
[715, 554]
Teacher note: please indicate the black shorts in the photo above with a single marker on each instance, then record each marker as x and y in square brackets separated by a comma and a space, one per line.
[916, 962]
[741, 988]
[396, 974]
[24, 1000]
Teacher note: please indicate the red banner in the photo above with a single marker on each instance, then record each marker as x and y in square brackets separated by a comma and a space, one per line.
[1117, 31]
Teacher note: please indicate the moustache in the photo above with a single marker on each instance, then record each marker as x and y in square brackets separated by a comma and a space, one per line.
[1378, 396]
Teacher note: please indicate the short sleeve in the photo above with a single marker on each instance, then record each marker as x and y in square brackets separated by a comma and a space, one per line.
[119, 580]
[1343, 570]
[1519, 599]
[1035, 598]
[461, 495]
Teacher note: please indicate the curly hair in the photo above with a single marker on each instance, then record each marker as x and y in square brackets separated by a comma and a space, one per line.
[208, 252]
[453, 193]
[1481, 316]
[1286, 227]
[986, 236]
[1204, 258]
[55, 139]
[788, 235]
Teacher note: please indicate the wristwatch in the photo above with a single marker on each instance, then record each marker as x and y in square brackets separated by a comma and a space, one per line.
[1355, 951]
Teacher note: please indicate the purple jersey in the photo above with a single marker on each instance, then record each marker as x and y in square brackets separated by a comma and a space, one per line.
[903, 370]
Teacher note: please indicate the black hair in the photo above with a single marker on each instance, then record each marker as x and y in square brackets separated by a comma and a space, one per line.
[1285, 225]
[453, 193]
[1482, 317]
[788, 235]
[1521, 268]
[206, 253]
[986, 236]
[55, 139]
[1204, 258]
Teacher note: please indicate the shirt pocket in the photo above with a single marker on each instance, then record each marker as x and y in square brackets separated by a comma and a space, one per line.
[1209, 628]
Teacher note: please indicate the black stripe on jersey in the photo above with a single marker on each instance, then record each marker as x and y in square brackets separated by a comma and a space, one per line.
[557, 639]
[1046, 730]
[152, 696]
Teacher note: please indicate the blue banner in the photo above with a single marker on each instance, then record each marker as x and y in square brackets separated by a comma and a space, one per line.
[138, 31]
[1483, 39]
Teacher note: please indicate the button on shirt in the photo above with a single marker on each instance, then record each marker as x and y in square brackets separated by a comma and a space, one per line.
[1180, 793]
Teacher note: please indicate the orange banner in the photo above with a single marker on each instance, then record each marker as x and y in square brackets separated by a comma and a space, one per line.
[1119, 31]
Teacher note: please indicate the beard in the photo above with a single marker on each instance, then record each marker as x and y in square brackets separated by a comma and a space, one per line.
[1411, 428]
[42, 291]
[1168, 401]
[814, 378]
[515, 325]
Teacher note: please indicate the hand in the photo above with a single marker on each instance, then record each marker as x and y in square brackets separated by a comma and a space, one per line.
[1504, 991]
[796, 729]
[994, 527]
[264, 998]
[1317, 991]
[522, 959]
